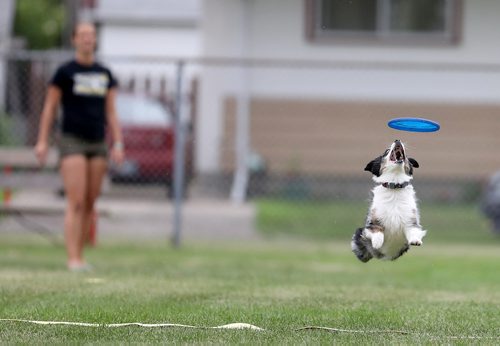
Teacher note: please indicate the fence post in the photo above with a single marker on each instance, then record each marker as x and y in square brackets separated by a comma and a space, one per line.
[179, 158]
[242, 140]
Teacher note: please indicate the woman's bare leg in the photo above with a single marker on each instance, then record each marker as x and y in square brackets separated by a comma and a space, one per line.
[96, 169]
[74, 173]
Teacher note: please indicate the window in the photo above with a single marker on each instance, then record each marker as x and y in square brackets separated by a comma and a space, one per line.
[384, 20]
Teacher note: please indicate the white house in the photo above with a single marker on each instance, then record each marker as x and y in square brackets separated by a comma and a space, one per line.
[325, 77]
[159, 30]
[149, 27]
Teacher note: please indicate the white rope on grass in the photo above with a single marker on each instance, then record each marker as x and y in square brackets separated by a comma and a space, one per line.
[402, 332]
[145, 325]
[353, 330]
[240, 326]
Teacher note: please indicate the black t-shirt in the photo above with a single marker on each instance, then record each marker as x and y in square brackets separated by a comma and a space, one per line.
[84, 89]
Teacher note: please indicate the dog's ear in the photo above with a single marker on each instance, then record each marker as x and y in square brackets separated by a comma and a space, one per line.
[413, 162]
[374, 166]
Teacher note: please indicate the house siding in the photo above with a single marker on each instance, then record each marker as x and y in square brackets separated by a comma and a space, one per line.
[453, 83]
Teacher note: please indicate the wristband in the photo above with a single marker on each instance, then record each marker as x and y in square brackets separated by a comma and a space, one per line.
[118, 146]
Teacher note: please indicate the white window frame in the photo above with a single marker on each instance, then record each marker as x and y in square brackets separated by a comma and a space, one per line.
[382, 32]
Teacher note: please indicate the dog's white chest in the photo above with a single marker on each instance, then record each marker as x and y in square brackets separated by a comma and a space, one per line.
[394, 208]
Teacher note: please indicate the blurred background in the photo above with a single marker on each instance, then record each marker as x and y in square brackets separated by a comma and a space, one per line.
[277, 106]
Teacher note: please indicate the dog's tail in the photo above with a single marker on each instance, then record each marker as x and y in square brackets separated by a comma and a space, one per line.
[359, 246]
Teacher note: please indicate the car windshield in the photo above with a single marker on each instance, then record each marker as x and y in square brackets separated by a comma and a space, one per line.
[141, 111]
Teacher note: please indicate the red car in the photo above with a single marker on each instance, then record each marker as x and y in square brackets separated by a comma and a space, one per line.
[148, 136]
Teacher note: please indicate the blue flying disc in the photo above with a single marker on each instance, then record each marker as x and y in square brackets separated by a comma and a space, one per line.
[414, 124]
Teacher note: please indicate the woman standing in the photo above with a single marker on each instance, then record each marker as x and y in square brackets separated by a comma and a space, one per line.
[87, 91]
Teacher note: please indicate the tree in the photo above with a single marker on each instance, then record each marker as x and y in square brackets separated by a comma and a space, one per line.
[40, 23]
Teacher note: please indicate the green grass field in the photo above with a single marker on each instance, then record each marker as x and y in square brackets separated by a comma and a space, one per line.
[446, 292]
[337, 220]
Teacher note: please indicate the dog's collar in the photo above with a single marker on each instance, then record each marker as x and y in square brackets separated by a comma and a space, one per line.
[395, 185]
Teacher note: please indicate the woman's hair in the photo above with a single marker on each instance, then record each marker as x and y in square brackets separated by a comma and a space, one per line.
[77, 25]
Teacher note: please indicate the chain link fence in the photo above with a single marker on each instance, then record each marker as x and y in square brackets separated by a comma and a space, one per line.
[299, 132]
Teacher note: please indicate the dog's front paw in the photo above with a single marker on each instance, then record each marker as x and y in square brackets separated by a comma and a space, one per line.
[377, 240]
[415, 236]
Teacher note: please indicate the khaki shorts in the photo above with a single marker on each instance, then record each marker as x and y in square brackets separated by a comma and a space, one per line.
[71, 145]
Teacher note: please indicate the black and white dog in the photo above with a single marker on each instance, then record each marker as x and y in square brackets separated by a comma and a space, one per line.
[393, 220]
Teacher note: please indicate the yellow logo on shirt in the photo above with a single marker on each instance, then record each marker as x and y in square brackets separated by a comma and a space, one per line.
[90, 84]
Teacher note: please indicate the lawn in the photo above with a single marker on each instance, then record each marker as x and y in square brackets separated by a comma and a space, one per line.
[337, 220]
[439, 293]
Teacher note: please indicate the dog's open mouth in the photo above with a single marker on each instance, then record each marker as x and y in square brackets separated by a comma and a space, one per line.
[397, 153]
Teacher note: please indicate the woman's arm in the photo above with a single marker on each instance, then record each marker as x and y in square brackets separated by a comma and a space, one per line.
[117, 150]
[47, 117]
